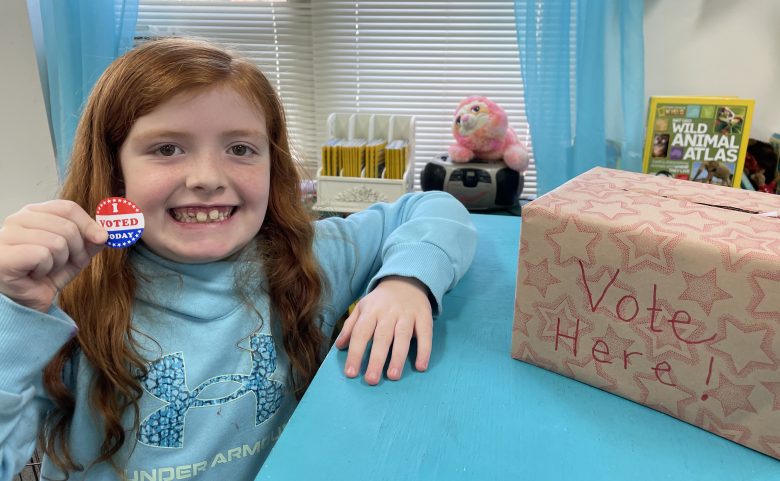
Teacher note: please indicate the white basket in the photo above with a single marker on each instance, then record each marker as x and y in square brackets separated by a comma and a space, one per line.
[352, 194]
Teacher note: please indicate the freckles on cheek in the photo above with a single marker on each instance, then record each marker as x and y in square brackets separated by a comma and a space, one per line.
[133, 179]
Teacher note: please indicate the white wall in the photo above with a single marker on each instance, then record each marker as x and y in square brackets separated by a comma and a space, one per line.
[716, 47]
[28, 171]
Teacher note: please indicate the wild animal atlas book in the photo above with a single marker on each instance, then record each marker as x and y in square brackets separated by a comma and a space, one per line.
[703, 139]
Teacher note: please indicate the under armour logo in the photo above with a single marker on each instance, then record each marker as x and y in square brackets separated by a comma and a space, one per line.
[166, 381]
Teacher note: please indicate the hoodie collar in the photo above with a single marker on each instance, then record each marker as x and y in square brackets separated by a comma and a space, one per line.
[199, 291]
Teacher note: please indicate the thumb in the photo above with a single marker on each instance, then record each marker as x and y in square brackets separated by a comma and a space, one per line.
[96, 237]
[96, 234]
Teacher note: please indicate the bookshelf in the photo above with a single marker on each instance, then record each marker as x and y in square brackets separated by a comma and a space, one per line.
[337, 192]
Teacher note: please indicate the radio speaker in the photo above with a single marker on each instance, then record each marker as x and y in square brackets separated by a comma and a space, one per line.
[479, 185]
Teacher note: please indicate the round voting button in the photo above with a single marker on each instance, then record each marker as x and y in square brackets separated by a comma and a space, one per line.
[123, 220]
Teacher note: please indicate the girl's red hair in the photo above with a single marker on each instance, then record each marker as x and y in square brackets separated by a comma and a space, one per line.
[100, 299]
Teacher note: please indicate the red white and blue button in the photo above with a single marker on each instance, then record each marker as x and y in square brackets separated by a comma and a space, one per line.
[123, 220]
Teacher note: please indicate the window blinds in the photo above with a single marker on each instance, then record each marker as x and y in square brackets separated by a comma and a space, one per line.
[417, 58]
[275, 35]
[332, 56]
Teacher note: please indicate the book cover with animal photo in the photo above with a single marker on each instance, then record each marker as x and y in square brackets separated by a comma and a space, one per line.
[703, 139]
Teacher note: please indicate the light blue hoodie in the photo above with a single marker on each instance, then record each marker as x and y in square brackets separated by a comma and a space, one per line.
[217, 395]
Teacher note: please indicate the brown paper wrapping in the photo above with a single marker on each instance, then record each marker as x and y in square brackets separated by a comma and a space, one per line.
[663, 291]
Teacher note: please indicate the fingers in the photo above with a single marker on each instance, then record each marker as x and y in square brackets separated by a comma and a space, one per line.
[403, 337]
[60, 226]
[389, 337]
[22, 277]
[21, 261]
[60, 238]
[394, 312]
[88, 227]
[342, 340]
[424, 333]
[43, 247]
[359, 330]
[62, 277]
[383, 337]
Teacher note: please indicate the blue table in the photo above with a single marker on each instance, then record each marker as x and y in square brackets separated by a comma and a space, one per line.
[478, 414]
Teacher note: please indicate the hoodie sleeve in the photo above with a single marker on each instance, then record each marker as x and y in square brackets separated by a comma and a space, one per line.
[28, 341]
[428, 236]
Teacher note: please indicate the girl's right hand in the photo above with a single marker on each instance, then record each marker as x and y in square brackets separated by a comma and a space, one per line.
[43, 247]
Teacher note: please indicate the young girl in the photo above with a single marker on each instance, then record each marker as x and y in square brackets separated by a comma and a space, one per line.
[184, 356]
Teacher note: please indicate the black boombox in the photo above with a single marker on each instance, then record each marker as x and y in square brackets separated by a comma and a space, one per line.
[479, 185]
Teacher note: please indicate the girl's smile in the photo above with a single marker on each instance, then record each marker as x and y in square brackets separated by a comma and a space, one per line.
[199, 168]
[202, 214]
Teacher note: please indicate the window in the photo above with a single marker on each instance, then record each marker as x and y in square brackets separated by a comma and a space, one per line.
[275, 35]
[389, 57]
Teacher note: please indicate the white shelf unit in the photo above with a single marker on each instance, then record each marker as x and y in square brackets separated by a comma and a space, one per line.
[351, 194]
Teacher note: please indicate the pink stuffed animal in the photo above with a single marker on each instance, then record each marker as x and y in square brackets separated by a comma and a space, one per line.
[482, 131]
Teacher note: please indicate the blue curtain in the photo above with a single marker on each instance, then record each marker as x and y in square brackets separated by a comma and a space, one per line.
[80, 39]
[582, 65]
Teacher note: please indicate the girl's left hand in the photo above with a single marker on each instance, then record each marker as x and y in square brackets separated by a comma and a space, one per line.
[397, 309]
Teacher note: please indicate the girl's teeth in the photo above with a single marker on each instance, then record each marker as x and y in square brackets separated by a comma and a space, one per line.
[200, 216]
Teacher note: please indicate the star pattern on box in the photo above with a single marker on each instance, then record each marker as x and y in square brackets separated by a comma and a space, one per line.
[585, 190]
[674, 192]
[761, 225]
[523, 320]
[556, 202]
[621, 307]
[588, 370]
[745, 346]
[525, 352]
[571, 242]
[644, 199]
[610, 210]
[551, 209]
[597, 284]
[707, 194]
[599, 359]
[771, 444]
[690, 218]
[706, 419]
[538, 276]
[645, 246]
[661, 343]
[738, 247]
[523, 248]
[646, 243]
[765, 303]
[560, 316]
[774, 388]
[615, 345]
[732, 397]
[673, 400]
[703, 290]
[612, 179]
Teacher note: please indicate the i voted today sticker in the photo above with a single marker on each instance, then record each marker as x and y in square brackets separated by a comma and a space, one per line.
[123, 220]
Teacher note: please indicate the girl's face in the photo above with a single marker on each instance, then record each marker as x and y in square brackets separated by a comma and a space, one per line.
[198, 166]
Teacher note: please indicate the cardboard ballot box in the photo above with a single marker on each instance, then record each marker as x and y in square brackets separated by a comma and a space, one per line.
[663, 291]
